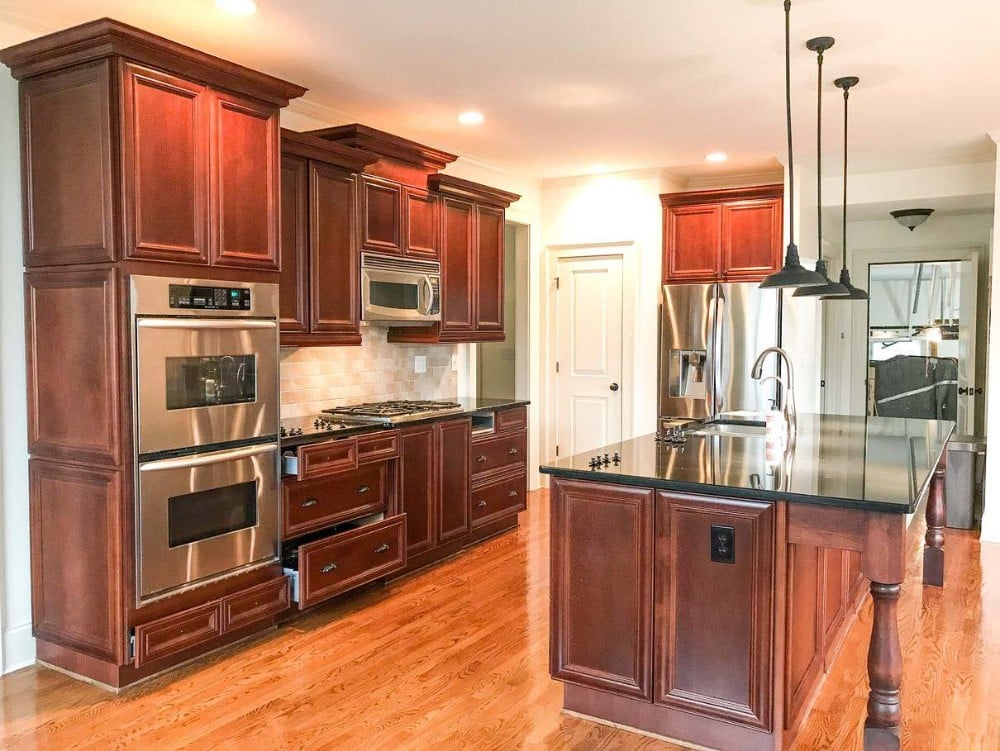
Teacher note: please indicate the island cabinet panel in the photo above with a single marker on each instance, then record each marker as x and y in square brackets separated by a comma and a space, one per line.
[714, 564]
[67, 175]
[834, 593]
[602, 562]
[165, 140]
[804, 628]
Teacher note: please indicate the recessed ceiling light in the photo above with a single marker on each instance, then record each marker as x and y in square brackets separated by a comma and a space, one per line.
[716, 156]
[237, 7]
[471, 117]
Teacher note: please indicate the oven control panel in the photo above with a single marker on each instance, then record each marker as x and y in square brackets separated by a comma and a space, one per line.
[196, 297]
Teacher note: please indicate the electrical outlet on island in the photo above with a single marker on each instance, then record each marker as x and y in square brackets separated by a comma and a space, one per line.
[420, 364]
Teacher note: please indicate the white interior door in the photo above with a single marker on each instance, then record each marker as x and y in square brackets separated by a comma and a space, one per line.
[967, 322]
[588, 384]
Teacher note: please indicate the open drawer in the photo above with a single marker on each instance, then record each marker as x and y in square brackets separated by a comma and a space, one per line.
[330, 566]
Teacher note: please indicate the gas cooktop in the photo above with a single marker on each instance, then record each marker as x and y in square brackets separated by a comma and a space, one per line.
[393, 412]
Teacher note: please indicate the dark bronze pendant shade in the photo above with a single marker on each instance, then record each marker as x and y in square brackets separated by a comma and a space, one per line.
[853, 293]
[792, 273]
[829, 288]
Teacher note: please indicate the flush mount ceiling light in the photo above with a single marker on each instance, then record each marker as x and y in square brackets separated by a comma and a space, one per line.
[237, 7]
[793, 273]
[819, 45]
[716, 157]
[471, 117]
[911, 218]
[854, 293]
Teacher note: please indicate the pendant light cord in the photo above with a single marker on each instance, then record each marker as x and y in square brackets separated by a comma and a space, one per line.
[788, 121]
[843, 231]
[819, 157]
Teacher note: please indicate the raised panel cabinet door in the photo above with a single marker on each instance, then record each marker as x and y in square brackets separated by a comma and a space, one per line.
[293, 284]
[419, 488]
[454, 439]
[692, 236]
[457, 266]
[602, 579]
[422, 224]
[333, 253]
[165, 162]
[76, 578]
[804, 628]
[245, 184]
[489, 269]
[713, 607]
[67, 181]
[751, 238]
[834, 594]
[381, 215]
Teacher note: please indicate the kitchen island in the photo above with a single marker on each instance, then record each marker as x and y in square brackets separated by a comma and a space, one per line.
[699, 589]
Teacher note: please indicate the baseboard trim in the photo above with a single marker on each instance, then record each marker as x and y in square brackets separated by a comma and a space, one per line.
[18, 648]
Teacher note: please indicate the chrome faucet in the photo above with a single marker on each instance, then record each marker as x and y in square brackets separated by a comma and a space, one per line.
[788, 406]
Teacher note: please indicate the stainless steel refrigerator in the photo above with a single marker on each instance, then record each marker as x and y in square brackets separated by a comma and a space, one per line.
[710, 336]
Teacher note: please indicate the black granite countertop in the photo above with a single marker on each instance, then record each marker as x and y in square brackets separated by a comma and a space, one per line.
[875, 463]
[313, 434]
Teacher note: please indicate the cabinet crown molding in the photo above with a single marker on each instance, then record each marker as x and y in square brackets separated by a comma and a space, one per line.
[387, 145]
[722, 195]
[106, 37]
[307, 146]
[460, 188]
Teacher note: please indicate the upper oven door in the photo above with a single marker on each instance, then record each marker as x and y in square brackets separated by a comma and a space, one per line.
[400, 297]
[204, 381]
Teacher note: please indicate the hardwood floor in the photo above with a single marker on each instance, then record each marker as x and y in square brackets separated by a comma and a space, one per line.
[457, 658]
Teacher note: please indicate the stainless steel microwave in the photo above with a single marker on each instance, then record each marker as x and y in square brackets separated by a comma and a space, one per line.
[399, 291]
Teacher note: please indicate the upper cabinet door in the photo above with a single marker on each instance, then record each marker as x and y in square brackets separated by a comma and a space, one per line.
[457, 244]
[293, 284]
[381, 215]
[165, 160]
[333, 252]
[691, 243]
[245, 183]
[422, 223]
[489, 269]
[751, 238]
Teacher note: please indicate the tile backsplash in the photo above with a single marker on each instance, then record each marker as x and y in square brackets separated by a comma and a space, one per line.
[314, 378]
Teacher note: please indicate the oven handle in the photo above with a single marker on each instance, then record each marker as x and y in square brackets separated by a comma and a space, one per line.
[200, 460]
[200, 323]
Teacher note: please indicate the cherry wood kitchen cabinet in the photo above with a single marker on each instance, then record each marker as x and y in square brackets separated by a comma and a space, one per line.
[320, 277]
[472, 263]
[732, 235]
[499, 474]
[138, 156]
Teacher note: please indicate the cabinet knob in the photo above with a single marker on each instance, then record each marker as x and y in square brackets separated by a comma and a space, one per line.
[481, 504]
[480, 458]
[309, 502]
[363, 489]
[328, 568]
[382, 548]
[512, 494]
[512, 451]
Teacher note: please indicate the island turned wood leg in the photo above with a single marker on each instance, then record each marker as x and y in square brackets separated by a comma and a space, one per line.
[934, 548]
[885, 672]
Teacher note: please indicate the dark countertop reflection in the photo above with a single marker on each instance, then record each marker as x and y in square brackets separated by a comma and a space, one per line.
[875, 463]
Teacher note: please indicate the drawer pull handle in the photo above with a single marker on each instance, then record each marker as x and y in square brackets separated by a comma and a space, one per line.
[363, 489]
[481, 504]
[480, 458]
[309, 502]
[328, 568]
[383, 548]
[512, 494]
[512, 451]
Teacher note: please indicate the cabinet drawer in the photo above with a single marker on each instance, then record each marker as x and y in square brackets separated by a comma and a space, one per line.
[313, 504]
[169, 636]
[508, 420]
[501, 451]
[379, 446]
[498, 499]
[334, 565]
[327, 458]
[255, 604]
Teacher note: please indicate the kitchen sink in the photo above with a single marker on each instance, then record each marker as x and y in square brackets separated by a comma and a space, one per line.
[737, 427]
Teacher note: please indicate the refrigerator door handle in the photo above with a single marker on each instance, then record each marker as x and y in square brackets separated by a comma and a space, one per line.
[710, 341]
[725, 352]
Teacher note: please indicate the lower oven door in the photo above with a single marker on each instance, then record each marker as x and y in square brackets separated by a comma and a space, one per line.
[201, 381]
[205, 515]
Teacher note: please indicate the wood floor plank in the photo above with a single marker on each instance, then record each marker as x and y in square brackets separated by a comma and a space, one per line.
[456, 657]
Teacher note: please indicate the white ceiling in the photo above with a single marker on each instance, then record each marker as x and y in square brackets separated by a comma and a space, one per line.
[570, 84]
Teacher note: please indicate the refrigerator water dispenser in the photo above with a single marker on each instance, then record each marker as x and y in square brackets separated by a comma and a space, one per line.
[687, 373]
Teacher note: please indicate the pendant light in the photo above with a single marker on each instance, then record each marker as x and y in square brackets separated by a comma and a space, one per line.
[793, 273]
[819, 45]
[854, 293]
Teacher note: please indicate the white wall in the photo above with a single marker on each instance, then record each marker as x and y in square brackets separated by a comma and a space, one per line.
[991, 511]
[18, 647]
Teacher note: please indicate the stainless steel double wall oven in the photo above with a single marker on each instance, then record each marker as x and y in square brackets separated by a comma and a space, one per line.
[205, 405]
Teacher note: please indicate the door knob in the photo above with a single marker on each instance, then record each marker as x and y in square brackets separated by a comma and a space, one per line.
[614, 386]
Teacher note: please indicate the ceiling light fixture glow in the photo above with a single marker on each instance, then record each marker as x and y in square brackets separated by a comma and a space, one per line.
[471, 117]
[237, 7]
[716, 157]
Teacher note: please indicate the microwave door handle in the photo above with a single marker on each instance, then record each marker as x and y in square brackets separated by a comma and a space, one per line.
[430, 296]
[199, 323]
[200, 460]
